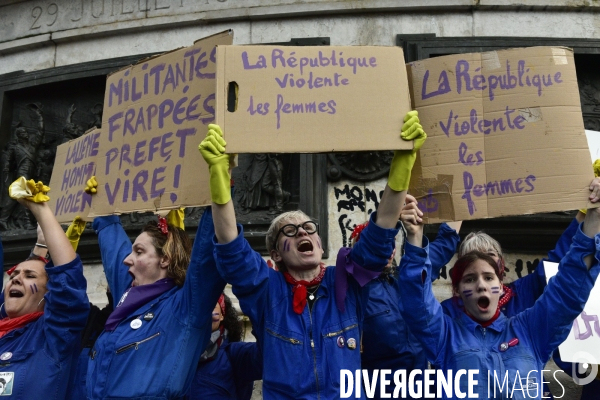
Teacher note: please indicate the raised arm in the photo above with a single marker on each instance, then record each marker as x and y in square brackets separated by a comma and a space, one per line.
[566, 294]
[237, 263]
[443, 248]
[400, 170]
[58, 245]
[115, 246]
[67, 305]
[421, 311]
[212, 149]
[203, 284]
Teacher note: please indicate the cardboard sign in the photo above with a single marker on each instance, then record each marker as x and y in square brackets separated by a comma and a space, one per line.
[505, 134]
[311, 98]
[74, 164]
[584, 339]
[155, 114]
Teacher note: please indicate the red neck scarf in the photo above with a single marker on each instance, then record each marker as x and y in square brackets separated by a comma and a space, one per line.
[299, 288]
[508, 294]
[8, 325]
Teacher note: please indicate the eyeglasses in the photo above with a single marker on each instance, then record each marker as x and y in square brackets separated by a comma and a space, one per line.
[291, 230]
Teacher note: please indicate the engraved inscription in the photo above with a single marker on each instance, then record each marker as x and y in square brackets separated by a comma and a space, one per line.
[21, 19]
[50, 16]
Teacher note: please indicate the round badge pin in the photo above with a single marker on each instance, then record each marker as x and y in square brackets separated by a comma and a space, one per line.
[351, 343]
[148, 316]
[341, 342]
[6, 356]
[136, 323]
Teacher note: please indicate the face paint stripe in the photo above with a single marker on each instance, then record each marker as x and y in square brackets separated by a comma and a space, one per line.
[285, 245]
[468, 293]
[35, 286]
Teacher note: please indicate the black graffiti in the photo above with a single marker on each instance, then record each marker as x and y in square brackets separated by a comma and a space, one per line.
[354, 198]
[351, 199]
[531, 266]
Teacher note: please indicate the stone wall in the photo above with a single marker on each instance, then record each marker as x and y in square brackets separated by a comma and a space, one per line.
[41, 34]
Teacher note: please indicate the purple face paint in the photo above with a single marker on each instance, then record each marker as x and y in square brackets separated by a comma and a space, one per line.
[468, 293]
[35, 287]
[285, 245]
[496, 289]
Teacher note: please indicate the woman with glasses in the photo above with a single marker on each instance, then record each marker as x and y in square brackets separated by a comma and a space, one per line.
[228, 367]
[307, 318]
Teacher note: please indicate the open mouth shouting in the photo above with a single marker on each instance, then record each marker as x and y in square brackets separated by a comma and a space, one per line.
[15, 293]
[483, 304]
[305, 247]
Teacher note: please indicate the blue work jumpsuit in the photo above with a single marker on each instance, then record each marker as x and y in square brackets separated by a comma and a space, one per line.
[303, 353]
[387, 340]
[456, 343]
[38, 361]
[158, 359]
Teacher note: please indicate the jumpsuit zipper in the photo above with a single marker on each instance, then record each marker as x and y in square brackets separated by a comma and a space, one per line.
[135, 344]
[312, 345]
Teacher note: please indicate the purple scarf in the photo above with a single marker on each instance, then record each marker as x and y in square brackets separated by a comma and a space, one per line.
[344, 266]
[134, 298]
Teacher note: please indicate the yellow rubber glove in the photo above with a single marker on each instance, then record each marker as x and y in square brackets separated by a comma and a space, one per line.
[175, 218]
[404, 160]
[91, 185]
[28, 190]
[74, 231]
[212, 149]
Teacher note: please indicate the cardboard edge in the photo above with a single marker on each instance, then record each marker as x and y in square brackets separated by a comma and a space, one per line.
[227, 32]
[220, 91]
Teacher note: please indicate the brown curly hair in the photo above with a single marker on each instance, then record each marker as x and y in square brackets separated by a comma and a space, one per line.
[175, 245]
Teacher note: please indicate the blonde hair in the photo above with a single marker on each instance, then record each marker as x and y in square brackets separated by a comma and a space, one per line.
[479, 241]
[278, 222]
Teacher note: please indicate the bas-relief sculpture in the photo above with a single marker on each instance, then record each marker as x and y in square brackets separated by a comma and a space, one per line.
[30, 153]
[262, 185]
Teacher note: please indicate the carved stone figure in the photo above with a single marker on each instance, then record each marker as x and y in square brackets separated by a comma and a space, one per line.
[262, 184]
[97, 113]
[71, 130]
[45, 163]
[19, 159]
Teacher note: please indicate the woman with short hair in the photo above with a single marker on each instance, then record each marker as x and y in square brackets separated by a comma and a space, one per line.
[307, 318]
